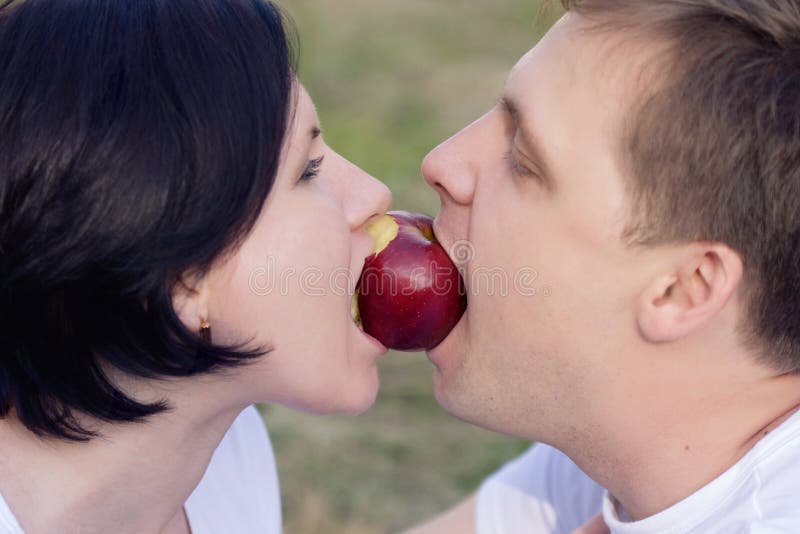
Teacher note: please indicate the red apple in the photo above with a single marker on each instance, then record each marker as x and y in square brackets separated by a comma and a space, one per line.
[410, 295]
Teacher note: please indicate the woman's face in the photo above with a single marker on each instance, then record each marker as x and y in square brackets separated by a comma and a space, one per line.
[289, 286]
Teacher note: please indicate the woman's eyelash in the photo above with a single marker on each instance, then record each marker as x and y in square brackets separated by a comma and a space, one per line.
[312, 169]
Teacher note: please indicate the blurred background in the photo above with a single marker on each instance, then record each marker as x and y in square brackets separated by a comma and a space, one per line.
[391, 79]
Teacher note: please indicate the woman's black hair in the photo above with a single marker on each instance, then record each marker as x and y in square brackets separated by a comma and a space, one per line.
[139, 140]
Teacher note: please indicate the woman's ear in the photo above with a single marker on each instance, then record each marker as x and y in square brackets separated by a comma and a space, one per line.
[190, 296]
[698, 288]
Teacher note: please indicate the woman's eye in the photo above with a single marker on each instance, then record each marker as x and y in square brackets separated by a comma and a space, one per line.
[312, 169]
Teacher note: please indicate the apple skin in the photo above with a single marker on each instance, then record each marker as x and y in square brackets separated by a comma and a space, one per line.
[410, 295]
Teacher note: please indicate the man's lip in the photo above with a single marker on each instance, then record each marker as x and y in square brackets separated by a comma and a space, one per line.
[434, 355]
[439, 235]
[437, 353]
[437, 356]
[448, 248]
[436, 226]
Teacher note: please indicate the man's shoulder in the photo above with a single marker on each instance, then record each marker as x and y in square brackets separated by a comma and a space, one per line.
[540, 467]
[776, 478]
[540, 491]
[769, 474]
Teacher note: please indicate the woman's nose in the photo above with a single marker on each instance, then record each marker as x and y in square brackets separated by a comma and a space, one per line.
[369, 197]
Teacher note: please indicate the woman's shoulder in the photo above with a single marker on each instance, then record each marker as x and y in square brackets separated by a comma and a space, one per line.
[247, 430]
[239, 491]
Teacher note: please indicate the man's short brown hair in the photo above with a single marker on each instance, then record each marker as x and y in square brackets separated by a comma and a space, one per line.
[714, 149]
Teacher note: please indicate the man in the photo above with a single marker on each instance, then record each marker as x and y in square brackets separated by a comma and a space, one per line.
[645, 161]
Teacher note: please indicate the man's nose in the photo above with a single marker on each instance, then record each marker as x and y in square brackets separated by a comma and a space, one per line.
[451, 168]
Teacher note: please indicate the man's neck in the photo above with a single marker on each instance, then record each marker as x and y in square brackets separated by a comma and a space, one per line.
[135, 478]
[665, 456]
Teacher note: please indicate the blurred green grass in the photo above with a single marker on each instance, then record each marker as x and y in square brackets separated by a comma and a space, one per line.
[392, 79]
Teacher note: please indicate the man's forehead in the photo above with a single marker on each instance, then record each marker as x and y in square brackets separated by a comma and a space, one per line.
[547, 62]
[574, 59]
[574, 98]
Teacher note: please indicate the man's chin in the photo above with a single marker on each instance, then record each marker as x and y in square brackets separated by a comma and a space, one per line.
[451, 379]
[455, 399]
[472, 405]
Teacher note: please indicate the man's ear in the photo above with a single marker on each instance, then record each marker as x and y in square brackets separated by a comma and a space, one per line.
[702, 283]
[190, 296]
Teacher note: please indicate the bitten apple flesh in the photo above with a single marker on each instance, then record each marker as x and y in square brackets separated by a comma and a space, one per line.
[410, 295]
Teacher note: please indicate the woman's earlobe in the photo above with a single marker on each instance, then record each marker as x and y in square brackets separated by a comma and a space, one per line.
[190, 296]
[205, 330]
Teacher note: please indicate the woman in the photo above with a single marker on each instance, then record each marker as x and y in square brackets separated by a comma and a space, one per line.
[176, 242]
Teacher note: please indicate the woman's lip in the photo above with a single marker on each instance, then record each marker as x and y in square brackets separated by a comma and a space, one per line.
[375, 342]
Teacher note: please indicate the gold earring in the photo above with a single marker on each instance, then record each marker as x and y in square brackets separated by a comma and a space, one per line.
[205, 331]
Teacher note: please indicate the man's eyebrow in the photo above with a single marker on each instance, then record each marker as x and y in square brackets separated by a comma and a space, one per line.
[512, 109]
[529, 140]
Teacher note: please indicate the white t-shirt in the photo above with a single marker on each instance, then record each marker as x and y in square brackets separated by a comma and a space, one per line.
[543, 491]
[238, 493]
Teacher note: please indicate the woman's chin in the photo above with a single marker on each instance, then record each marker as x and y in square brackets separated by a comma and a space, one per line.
[358, 399]
[353, 396]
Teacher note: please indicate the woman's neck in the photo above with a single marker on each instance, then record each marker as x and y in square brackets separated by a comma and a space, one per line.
[134, 478]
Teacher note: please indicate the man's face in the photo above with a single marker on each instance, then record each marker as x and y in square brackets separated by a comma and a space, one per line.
[533, 192]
